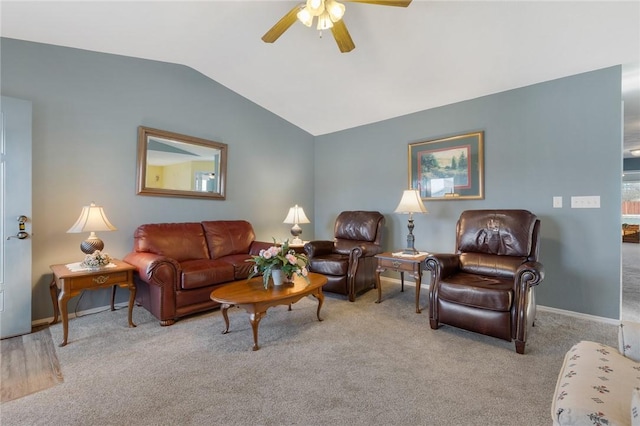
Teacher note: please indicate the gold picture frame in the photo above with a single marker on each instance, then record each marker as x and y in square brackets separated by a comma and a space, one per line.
[450, 168]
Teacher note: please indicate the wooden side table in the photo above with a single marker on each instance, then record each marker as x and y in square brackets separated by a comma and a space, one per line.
[401, 264]
[73, 283]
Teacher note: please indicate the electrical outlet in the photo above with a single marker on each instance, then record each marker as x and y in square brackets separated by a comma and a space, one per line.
[557, 202]
[588, 202]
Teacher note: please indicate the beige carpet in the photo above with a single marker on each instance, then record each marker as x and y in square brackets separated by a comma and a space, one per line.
[365, 364]
[29, 364]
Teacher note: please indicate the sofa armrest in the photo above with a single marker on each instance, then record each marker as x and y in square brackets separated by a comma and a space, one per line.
[154, 269]
[629, 340]
[318, 248]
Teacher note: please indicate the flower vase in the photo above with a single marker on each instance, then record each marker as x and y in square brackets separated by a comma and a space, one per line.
[277, 276]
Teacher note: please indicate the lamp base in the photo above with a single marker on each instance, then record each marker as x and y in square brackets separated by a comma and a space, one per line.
[410, 251]
[297, 241]
[90, 245]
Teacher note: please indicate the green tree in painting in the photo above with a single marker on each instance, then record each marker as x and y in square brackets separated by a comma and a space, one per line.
[429, 163]
[462, 161]
[454, 163]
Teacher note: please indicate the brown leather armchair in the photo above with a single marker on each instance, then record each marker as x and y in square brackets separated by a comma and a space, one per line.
[348, 262]
[487, 285]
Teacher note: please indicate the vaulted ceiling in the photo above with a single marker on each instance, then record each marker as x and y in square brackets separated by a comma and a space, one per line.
[430, 54]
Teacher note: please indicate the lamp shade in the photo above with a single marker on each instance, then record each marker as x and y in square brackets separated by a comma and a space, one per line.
[92, 218]
[411, 202]
[296, 215]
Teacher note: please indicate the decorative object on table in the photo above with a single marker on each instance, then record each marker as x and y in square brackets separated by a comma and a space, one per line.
[448, 169]
[296, 216]
[410, 203]
[92, 218]
[96, 260]
[329, 13]
[279, 258]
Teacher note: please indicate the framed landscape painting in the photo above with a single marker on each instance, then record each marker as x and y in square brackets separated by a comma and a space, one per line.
[448, 169]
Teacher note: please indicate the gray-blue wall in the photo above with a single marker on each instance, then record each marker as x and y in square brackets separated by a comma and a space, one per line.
[559, 138]
[86, 110]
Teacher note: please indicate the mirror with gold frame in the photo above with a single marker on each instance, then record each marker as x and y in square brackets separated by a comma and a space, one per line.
[175, 165]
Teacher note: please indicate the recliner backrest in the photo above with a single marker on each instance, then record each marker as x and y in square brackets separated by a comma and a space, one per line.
[499, 232]
[362, 228]
[496, 242]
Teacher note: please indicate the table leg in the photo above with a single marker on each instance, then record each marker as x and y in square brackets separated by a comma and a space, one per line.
[379, 270]
[320, 296]
[418, 278]
[62, 304]
[113, 297]
[402, 281]
[53, 289]
[255, 322]
[132, 300]
[224, 308]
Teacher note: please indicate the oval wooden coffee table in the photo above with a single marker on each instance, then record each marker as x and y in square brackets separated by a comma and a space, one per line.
[251, 296]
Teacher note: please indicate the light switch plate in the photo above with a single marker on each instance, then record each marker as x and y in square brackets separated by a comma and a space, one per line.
[588, 202]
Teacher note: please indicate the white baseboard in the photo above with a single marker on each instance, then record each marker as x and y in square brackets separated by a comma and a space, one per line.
[409, 283]
[573, 314]
[44, 321]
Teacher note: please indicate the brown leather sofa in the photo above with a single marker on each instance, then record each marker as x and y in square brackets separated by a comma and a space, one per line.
[348, 261]
[179, 264]
[486, 286]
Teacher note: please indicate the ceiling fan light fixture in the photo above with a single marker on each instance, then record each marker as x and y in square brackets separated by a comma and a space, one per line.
[315, 7]
[324, 21]
[335, 9]
[305, 17]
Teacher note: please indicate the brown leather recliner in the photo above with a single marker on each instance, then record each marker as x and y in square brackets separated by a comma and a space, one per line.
[348, 262]
[487, 285]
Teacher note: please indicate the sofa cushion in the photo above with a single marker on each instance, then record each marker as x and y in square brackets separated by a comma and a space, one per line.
[501, 232]
[241, 267]
[205, 272]
[179, 241]
[226, 237]
[594, 386]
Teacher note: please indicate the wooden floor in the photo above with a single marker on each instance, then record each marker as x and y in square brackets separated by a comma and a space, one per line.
[29, 364]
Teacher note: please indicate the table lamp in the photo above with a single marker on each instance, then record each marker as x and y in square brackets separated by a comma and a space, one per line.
[411, 203]
[296, 215]
[92, 218]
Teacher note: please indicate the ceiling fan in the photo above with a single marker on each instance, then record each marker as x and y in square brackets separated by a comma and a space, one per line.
[329, 14]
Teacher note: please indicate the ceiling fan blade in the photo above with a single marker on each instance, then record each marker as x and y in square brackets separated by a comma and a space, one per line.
[342, 36]
[398, 3]
[281, 26]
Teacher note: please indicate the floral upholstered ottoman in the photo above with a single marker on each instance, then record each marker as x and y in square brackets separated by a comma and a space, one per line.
[600, 385]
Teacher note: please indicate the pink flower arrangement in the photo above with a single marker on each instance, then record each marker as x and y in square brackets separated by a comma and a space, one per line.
[279, 257]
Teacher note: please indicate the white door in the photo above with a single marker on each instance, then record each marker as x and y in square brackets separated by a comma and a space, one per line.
[15, 207]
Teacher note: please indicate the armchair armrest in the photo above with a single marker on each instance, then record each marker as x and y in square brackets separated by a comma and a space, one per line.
[629, 340]
[318, 248]
[154, 268]
[531, 273]
[442, 264]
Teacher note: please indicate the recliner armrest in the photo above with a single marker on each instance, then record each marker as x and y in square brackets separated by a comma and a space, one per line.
[532, 273]
[442, 264]
[318, 248]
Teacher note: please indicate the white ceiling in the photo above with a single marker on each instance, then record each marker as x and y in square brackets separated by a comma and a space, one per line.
[430, 54]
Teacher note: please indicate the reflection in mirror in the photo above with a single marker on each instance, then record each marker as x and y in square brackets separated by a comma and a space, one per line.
[171, 164]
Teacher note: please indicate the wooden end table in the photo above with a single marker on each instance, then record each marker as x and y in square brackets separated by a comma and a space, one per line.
[251, 296]
[73, 283]
[402, 264]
